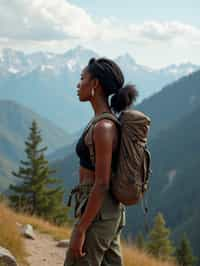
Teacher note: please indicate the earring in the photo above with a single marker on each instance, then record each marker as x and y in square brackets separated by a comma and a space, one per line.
[92, 92]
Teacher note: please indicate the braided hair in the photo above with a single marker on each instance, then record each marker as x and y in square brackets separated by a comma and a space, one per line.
[111, 79]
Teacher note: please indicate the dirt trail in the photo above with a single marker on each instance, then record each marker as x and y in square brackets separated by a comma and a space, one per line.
[44, 252]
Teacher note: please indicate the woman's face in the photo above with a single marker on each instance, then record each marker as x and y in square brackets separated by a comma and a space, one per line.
[84, 86]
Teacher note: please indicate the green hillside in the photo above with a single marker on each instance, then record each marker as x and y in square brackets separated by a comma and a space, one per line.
[172, 102]
[176, 183]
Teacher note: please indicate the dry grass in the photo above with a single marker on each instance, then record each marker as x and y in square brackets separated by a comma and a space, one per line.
[10, 238]
[9, 235]
[58, 232]
[134, 257]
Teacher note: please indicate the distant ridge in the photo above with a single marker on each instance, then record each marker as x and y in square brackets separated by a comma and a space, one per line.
[46, 82]
[172, 102]
[15, 121]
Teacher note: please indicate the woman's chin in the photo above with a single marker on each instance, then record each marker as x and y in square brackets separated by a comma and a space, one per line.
[82, 99]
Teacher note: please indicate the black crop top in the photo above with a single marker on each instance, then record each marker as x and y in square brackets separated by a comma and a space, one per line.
[82, 151]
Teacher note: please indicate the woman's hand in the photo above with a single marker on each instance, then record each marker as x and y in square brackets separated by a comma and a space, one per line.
[76, 243]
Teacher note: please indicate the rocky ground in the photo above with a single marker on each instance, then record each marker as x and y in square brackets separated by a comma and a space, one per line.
[44, 252]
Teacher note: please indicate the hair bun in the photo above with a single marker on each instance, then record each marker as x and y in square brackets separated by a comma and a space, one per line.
[123, 98]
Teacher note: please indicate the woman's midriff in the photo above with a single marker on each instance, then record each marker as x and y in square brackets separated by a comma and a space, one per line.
[86, 175]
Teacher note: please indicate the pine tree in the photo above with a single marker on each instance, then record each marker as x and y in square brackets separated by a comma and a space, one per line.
[37, 193]
[140, 242]
[159, 243]
[184, 253]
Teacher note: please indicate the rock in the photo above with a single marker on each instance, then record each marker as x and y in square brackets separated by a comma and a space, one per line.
[19, 224]
[27, 231]
[6, 258]
[63, 243]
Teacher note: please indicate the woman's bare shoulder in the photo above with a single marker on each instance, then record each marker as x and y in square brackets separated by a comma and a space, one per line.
[105, 126]
[106, 131]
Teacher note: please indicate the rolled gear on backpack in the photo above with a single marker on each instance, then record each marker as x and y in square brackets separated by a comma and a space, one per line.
[130, 176]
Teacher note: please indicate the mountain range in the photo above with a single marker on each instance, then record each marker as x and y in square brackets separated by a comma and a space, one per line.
[46, 82]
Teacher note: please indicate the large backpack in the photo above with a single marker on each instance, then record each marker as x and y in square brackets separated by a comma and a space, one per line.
[130, 176]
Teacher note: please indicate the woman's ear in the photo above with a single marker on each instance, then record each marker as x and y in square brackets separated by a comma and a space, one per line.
[95, 83]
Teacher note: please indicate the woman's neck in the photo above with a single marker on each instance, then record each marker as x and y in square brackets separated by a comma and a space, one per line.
[100, 107]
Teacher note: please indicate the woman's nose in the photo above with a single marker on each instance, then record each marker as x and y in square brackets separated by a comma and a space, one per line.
[78, 85]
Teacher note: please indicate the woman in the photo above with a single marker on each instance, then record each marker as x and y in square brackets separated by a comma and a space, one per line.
[95, 239]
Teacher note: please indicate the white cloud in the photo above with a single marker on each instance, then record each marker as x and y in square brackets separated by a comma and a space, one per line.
[57, 25]
[45, 20]
[158, 31]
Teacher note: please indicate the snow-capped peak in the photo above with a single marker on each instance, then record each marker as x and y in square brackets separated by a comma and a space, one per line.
[46, 67]
[126, 59]
[13, 70]
[180, 69]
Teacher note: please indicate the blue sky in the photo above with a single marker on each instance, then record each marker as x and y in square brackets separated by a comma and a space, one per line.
[138, 11]
[130, 11]
[156, 33]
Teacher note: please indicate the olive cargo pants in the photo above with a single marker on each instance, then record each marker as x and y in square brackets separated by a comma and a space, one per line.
[102, 242]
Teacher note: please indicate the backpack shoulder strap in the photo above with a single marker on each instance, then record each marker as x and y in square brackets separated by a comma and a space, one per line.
[107, 116]
[90, 142]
